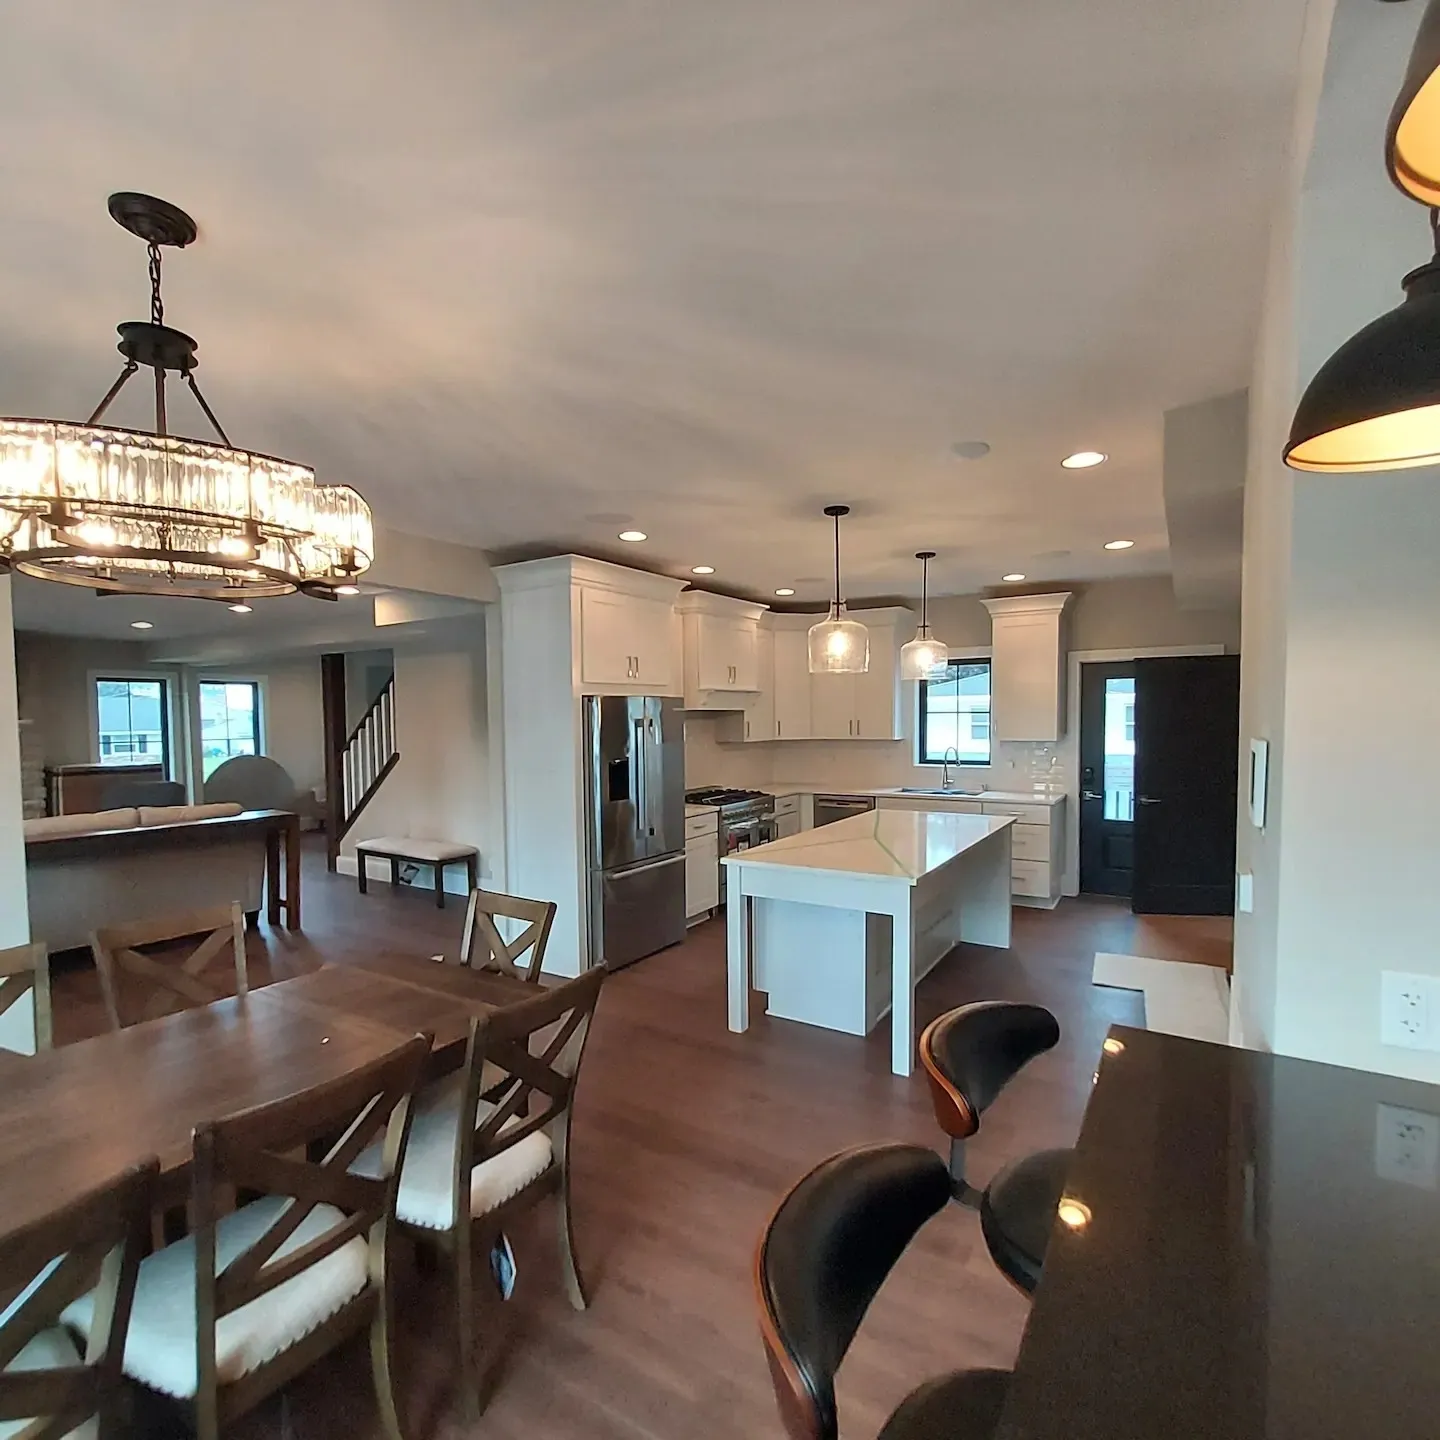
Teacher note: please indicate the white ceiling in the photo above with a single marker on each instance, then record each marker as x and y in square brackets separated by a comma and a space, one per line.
[698, 267]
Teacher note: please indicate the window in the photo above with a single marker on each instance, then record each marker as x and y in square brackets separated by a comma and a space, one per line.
[1130, 724]
[132, 722]
[955, 714]
[1120, 747]
[229, 721]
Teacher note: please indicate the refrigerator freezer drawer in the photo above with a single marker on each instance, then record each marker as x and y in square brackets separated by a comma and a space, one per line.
[638, 910]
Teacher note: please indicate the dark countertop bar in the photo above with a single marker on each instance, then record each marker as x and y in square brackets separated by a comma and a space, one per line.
[1262, 1260]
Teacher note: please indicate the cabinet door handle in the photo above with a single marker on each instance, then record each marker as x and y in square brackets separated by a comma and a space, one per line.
[747, 729]
[778, 731]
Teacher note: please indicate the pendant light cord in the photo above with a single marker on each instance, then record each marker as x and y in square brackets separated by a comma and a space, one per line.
[838, 600]
[925, 596]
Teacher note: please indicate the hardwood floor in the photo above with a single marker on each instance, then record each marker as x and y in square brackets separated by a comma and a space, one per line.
[686, 1135]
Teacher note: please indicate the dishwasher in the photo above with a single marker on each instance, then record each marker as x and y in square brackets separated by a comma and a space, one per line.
[830, 808]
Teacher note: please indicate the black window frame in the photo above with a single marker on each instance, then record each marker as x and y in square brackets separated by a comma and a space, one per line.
[956, 663]
[259, 722]
[134, 757]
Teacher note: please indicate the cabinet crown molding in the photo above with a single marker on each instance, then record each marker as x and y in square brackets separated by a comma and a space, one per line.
[1028, 604]
[598, 574]
[706, 602]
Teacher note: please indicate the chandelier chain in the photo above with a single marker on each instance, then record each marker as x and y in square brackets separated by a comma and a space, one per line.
[157, 305]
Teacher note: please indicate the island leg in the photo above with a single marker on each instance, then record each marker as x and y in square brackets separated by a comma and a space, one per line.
[737, 952]
[902, 988]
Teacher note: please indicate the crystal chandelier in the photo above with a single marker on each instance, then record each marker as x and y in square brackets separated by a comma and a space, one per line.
[153, 514]
[838, 645]
[923, 655]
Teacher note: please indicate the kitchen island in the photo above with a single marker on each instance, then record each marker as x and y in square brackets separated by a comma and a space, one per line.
[838, 925]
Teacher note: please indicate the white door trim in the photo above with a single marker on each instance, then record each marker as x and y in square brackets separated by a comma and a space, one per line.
[1070, 746]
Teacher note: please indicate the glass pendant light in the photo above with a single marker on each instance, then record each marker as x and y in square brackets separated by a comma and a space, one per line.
[924, 654]
[1412, 141]
[1375, 403]
[838, 645]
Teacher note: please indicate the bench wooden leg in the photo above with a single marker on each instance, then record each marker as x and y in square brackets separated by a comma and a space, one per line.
[440, 885]
[472, 872]
[360, 870]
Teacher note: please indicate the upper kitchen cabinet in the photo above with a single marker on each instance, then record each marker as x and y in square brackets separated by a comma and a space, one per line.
[861, 707]
[792, 677]
[721, 651]
[615, 628]
[1027, 675]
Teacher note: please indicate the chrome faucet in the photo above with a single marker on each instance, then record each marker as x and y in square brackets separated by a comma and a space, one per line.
[945, 765]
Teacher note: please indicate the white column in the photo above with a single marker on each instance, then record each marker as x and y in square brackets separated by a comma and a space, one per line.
[737, 948]
[902, 984]
[17, 1025]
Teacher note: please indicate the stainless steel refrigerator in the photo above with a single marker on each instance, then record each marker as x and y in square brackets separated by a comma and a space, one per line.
[635, 830]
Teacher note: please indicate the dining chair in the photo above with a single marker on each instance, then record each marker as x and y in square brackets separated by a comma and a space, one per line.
[25, 970]
[227, 1315]
[462, 1181]
[483, 947]
[821, 1260]
[969, 1055]
[169, 983]
[47, 1388]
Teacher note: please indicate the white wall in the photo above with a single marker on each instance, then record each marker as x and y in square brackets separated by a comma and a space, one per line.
[1344, 575]
[17, 1025]
[440, 790]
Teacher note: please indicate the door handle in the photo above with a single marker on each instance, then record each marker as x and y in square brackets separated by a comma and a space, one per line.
[1146, 800]
[1092, 795]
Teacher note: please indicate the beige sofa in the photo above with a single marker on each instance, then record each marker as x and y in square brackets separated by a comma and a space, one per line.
[84, 871]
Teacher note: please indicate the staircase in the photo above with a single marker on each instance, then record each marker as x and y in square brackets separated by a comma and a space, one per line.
[358, 762]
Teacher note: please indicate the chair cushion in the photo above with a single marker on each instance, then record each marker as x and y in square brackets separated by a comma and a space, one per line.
[407, 847]
[1017, 1212]
[49, 1350]
[966, 1404]
[426, 1177]
[160, 1349]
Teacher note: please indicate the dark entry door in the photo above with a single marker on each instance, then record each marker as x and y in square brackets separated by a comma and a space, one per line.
[1187, 745]
[1107, 777]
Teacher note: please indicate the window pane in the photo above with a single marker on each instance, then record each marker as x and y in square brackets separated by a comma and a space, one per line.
[955, 714]
[229, 721]
[131, 722]
[1120, 748]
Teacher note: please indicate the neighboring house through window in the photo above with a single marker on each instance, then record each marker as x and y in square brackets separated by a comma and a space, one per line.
[229, 721]
[132, 721]
[955, 714]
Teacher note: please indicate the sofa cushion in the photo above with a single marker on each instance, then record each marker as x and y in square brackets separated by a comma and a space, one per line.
[183, 814]
[46, 827]
[161, 1342]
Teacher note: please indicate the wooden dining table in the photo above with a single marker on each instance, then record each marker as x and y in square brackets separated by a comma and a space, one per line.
[74, 1117]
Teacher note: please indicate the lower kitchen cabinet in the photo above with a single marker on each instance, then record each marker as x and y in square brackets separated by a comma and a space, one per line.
[702, 875]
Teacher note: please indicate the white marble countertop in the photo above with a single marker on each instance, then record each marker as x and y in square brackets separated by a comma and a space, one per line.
[1000, 797]
[891, 844]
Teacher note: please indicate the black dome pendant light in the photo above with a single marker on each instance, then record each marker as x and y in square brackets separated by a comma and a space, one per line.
[1375, 403]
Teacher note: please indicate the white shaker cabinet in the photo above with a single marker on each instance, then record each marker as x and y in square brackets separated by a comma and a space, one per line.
[866, 706]
[1027, 674]
[721, 650]
[791, 682]
[626, 642]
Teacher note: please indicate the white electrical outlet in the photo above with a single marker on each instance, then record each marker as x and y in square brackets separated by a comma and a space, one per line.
[1407, 1146]
[1406, 1004]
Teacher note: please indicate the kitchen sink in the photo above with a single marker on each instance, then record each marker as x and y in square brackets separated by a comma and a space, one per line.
[954, 794]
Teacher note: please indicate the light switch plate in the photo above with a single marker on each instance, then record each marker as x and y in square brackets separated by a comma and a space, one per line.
[1407, 1146]
[1245, 892]
[1409, 1004]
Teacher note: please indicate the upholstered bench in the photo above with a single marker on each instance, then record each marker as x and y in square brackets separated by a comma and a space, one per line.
[407, 849]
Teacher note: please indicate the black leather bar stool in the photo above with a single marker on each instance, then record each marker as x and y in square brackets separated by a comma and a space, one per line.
[821, 1261]
[970, 1054]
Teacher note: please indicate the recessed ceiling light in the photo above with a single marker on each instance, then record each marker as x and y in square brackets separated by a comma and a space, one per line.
[240, 609]
[785, 590]
[698, 569]
[141, 625]
[1084, 460]
[634, 536]
[1118, 544]
[347, 589]
[969, 449]
[1014, 578]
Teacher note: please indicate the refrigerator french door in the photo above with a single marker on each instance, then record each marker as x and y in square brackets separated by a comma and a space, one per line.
[635, 830]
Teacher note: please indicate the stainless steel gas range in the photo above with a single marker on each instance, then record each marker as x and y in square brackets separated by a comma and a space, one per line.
[747, 819]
